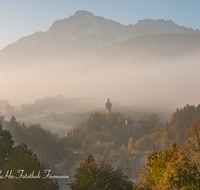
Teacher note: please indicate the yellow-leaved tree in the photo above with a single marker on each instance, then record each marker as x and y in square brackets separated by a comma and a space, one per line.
[130, 144]
[192, 143]
[168, 169]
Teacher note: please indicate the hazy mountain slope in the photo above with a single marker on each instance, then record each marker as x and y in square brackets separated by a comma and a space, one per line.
[82, 33]
[153, 47]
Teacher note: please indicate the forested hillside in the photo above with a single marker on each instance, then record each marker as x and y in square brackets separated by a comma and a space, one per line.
[174, 129]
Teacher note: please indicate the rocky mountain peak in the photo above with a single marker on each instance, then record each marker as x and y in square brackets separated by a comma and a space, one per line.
[83, 13]
[84, 25]
[76, 19]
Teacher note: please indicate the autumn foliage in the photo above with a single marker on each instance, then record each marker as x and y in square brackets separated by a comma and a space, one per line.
[176, 167]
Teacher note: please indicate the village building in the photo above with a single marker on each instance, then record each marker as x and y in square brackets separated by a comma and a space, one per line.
[127, 126]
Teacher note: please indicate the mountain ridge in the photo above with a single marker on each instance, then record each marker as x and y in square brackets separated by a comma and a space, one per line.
[102, 31]
[84, 32]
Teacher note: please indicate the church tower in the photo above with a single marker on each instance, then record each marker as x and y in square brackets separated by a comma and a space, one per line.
[108, 106]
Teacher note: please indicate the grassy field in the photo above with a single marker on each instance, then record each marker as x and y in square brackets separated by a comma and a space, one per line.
[66, 116]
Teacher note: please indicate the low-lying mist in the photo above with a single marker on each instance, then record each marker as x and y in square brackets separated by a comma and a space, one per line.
[169, 83]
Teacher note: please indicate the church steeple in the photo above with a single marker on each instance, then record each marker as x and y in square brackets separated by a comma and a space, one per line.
[108, 106]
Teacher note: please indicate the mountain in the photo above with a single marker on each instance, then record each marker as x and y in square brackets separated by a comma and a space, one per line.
[85, 26]
[84, 32]
[153, 47]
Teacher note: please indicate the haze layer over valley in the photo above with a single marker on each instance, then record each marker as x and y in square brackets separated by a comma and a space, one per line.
[154, 62]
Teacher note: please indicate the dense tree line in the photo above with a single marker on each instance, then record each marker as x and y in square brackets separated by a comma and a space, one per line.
[176, 167]
[45, 144]
[15, 159]
[174, 129]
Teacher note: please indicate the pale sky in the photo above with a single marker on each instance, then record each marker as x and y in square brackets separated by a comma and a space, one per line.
[23, 17]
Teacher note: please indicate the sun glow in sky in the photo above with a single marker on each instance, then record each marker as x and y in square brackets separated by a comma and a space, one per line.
[24, 17]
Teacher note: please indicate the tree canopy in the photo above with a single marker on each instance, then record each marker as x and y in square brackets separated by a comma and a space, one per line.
[176, 167]
[168, 169]
[20, 158]
[99, 175]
